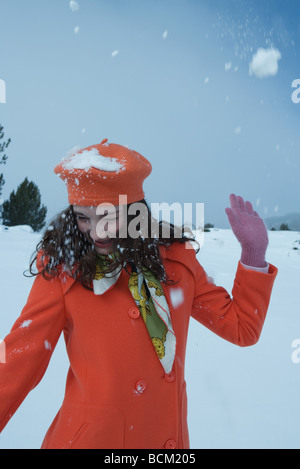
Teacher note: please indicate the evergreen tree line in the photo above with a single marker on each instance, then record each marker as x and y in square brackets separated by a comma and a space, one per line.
[23, 206]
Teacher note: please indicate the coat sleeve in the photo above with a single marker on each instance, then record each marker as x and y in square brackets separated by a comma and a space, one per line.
[29, 345]
[238, 318]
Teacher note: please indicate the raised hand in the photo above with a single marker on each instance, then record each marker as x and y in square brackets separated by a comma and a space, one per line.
[250, 231]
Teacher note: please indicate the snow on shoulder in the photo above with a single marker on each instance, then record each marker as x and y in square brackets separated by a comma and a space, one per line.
[91, 158]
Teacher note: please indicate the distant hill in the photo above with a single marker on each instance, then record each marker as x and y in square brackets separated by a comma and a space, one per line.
[291, 219]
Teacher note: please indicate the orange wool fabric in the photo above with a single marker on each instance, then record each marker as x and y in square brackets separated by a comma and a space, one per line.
[117, 394]
[92, 186]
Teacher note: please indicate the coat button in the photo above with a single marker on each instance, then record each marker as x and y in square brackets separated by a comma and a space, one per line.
[134, 313]
[170, 444]
[170, 377]
[140, 386]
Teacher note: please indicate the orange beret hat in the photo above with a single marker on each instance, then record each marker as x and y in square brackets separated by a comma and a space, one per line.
[100, 173]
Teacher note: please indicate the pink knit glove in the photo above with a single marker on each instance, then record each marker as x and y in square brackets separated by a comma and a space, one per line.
[250, 231]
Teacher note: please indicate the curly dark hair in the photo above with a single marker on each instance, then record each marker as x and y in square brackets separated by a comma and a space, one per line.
[64, 246]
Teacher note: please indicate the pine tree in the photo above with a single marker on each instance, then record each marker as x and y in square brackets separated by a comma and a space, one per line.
[3, 156]
[24, 207]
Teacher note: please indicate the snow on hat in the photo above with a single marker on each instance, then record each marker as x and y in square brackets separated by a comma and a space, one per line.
[100, 173]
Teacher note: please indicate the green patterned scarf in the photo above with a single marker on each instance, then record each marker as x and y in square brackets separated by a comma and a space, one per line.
[149, 297]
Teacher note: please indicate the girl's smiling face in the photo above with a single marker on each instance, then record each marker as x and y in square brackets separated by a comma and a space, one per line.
[102, 225]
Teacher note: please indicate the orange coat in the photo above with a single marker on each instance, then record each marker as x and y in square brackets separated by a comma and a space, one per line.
[117, 394]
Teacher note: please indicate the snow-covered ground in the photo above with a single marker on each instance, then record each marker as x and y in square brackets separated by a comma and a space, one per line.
[238, 398]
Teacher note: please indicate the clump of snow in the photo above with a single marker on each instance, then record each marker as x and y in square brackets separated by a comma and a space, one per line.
[73, 150]
[177, 297]
[91, 158]
[47, 345]
[25, 324]
[74, 5]
[265, 62]
[140, 389]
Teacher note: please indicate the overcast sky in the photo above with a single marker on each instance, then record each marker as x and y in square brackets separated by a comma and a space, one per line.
[180, 81]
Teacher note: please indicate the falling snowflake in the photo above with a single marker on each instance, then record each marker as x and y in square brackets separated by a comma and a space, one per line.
[47, 345]
[74, 5]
